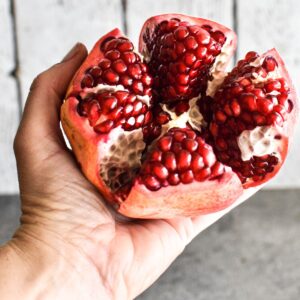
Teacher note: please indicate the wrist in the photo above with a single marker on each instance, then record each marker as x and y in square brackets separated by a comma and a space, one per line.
[31, 268]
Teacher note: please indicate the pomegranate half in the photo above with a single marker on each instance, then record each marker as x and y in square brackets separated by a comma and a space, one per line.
[166, 132]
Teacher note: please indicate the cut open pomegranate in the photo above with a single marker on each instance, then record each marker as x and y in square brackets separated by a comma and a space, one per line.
[167, 132]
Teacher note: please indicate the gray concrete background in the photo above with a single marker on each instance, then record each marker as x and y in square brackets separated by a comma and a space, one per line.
[252, 253]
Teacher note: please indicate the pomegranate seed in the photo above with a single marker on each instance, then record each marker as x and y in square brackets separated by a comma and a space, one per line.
[220, 116]
[248, 101]
[219, 37]
[181, 33]
[180, 49]
[272, 85]
[110, 76]
[217, 169]
[116, 113]
[87, 81]
[151, 183]
[126, 81]
[110, 43]
[190, 144]
[221, 144]
[181, 107]
[95, 72]
[146, 79]
[179, 136]
[119, 66]
[112, 55]
[269, 64]
[197, 162]
[176, 147]
[202, 37]
[264, 106]
[137, 87]
[109, 103]
[159, 170]
[104, 64]
[169, 161]
[189, 58]
[186, 177]
[139, 120]
[182, 79]
[208, 156]
[135, 71]
[190, 43]
[104, 127]
[251, 56]
[259, 119]
[165, 143]
[125, 46]
[202, 174]
[156, 155]
[128, 57]
[174, 179]
[275, 118]
[183, 159]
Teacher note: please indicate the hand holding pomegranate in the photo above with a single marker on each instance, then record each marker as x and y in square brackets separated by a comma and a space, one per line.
[69, 244]
[198, 148]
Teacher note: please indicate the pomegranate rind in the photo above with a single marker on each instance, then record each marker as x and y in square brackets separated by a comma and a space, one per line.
[151, 23]
[196, 198]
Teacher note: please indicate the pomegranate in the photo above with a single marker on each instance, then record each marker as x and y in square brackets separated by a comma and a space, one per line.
[167, 132]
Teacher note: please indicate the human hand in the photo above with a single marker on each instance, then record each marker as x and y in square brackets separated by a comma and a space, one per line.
[72, 244]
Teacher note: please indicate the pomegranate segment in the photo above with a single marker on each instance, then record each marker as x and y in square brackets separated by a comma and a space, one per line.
[181, 52]
[180, 156]
[250, 117]
[168, 133]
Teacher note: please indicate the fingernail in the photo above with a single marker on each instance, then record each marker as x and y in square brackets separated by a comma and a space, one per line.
[71, 53]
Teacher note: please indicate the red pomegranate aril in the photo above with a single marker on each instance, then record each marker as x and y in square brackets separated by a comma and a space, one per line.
[202, 37]
[111, 77]
[186, 177]
[151, 183]
[165, 143]
[183, 159]
[264, 106]
[147, 80]
[135, 71]
[174, 179]
[220, 116]
[112, 55]
[272, 85]
[251, 56]
[104, 127]
[208, 156]
[119, 66]
[182, 79]
[190, 144]
[217, 170]
[202, 174]
[275, 118]
[179, 136]
[87, 81]
[156, 155]
[137, 87]
[269, 64]
[126, 81]
[181, 33]
[95, 71]
[128, 57]
[249, 102]
[169, 161]
[104, 64]
[190, 43]
[189, 58]
[259, 119]
[125, 46]
[197, 162]
[109, 103]
[159, 170]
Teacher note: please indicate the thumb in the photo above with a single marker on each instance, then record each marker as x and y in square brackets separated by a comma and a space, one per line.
[40, 121]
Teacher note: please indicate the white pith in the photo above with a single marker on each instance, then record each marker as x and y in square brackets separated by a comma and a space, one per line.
[123, 153]
[259, 141]
[217, 70]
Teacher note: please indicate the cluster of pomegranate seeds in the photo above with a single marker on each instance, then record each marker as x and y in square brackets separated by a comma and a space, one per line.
[248, 99]
[106, 110]
[181, 56]
[120, 66]
[179, 156]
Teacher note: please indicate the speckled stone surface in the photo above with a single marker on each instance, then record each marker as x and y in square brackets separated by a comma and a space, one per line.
[253, 253]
